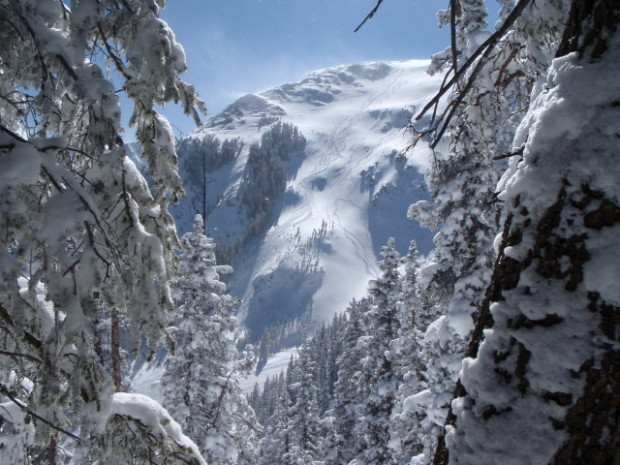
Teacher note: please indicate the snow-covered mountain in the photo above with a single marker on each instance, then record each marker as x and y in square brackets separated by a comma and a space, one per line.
[303, 183]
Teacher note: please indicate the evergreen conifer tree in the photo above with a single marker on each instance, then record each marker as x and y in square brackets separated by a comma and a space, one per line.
[412, 388]
[303, 417]
[200, 383]
[378, 379]
[346, 400]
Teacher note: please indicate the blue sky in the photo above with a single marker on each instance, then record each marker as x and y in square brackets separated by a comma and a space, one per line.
[234, 47]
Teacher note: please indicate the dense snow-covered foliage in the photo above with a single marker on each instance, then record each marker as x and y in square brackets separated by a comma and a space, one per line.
[81, 234]
[377, 382]
[200, 382]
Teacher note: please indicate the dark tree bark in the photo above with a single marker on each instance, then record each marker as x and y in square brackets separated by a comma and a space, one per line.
[53, 451]
[593, 422]
[116, 350]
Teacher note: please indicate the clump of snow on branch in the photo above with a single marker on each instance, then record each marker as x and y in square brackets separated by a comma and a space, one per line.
[158, 421]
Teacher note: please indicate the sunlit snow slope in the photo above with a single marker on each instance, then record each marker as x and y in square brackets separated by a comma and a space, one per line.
[345, 195]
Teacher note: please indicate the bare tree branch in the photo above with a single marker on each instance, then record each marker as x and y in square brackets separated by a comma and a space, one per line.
[370, 15]
[518, 152]
[23, 406]
[480, 54]
[18, 354]
[455, 52]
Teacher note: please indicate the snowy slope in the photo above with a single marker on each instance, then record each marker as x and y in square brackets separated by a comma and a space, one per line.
[277, 364]
[345, 195]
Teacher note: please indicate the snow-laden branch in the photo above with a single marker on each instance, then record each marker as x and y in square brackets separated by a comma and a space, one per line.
[150, 414]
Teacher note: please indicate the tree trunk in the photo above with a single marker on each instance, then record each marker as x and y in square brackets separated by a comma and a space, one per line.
[204, 188]
[116, 350]
[593, 422]
[53, 450]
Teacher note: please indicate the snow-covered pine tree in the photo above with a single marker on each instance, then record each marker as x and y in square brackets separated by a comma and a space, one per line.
[545, 356]
[319, 346]
[200, 382]
[276, 442]
[79, 229]
[409, 332]
[196, 159]
[303, 415]
[412, 388]
[461, 184]
[378, 379]
[346, 401]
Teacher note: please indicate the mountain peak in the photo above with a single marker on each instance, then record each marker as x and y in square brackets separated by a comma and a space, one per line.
[306, 183]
